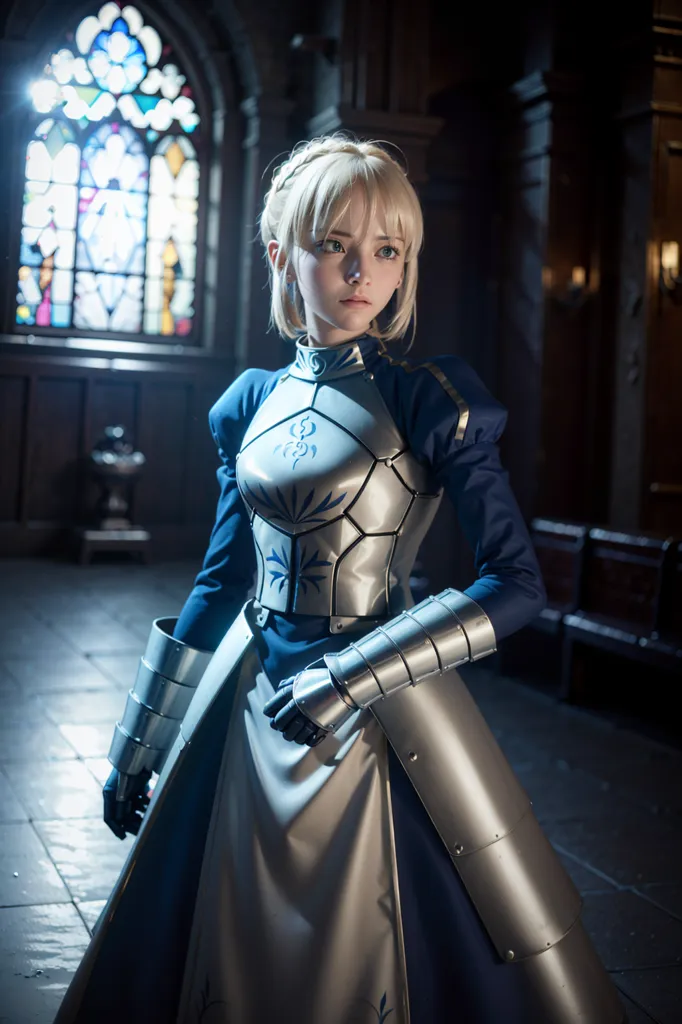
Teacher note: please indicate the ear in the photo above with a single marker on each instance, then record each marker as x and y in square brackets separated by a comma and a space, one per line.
[278, 257]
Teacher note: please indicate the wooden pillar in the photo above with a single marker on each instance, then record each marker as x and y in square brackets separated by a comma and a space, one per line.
[546, 337]
[646, 484]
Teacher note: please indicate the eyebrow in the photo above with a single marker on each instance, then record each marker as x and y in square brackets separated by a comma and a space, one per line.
[377, 238]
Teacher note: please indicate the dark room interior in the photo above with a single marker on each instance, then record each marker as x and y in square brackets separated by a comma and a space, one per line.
[544, 141]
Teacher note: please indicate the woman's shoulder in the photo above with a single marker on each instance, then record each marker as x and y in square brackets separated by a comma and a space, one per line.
[231, 414]
[442, 394]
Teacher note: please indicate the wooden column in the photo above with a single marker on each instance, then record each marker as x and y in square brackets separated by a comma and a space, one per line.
[547, 346]
[646, 485]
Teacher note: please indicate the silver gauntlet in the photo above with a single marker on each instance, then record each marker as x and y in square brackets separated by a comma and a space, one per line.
[167, 677]
[440, 633]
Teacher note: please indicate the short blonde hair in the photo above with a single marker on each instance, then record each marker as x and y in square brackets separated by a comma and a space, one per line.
[310, 192]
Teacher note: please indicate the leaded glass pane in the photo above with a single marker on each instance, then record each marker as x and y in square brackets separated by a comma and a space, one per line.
[93, 201]
[44, 296]
[111, 231]
[110, 302]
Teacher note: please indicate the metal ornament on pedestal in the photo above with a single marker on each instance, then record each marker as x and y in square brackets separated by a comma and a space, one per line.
[116, 466]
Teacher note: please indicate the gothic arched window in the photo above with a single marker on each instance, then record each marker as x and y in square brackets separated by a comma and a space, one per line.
[111, 201]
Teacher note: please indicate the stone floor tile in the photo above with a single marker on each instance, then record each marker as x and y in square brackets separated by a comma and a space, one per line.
[40, 741]
[120, 668]
[629, 932]
[84, 708]
[20, 709]
[584, 879]
[658, 991]
[46, 675]
[560, 794]
[40, 948]
[10, 808]
[636, 1015]
[92, 740]
[89, 857]
[667, 896]
[92, 640]
[90, 910]
[8, 685]
[62, 789]
[27, 875]
[622, 847]
[26, 641]
[100, 767]
[86, 616]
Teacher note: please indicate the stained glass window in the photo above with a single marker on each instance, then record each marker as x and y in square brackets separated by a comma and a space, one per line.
[109, 227]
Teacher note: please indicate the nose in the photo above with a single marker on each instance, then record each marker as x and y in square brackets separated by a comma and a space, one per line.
[357, 271]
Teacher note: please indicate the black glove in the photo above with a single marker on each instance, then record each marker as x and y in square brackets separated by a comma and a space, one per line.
[125, 801]
[288, 719]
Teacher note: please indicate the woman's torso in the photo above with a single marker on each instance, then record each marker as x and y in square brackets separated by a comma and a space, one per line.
[338, 503]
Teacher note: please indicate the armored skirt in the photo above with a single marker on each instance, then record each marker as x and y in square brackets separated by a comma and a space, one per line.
[271, 881]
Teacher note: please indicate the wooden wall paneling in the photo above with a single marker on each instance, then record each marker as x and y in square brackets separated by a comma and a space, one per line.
[13, 395]
[159, 497]
[55, 449]
[203, 488]
[26, 422]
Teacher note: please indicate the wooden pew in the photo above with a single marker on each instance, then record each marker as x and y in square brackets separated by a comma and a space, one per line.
[559, 547]
[536, 650]
[628, 605]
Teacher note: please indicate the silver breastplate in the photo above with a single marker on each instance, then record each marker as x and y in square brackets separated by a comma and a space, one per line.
[338, 503]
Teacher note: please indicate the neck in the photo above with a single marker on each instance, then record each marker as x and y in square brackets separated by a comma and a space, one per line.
[322, 334]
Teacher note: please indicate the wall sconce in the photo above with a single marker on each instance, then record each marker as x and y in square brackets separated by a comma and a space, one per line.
[576, 291]
[669, 277]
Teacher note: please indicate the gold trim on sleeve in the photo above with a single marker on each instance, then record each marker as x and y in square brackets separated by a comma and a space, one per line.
[460, 402]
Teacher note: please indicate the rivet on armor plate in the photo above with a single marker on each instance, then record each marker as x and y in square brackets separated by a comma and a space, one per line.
[459, 849]
[368, 376]
[413, 755]
[509, 955]
[389, 463]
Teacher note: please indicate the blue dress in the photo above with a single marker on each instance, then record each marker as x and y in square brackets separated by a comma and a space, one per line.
[453, 971]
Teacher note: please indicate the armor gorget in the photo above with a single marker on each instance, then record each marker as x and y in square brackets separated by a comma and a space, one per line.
[338, 503]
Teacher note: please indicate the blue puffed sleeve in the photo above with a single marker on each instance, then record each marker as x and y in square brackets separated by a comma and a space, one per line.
[452, 423]
[222, 585]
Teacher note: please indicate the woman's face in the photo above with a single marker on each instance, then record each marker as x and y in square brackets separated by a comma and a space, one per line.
[346, 280]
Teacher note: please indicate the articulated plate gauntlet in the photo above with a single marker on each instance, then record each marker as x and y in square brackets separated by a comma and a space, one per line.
[167, 677]
[440, 633]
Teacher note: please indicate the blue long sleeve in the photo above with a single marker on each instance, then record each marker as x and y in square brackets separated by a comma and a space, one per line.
[228, 571]
[509, 587]
[221, 587]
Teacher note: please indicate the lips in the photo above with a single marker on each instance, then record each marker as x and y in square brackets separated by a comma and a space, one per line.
[356, 302]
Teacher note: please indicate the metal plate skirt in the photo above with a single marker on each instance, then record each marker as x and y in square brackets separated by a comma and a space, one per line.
[297, 914]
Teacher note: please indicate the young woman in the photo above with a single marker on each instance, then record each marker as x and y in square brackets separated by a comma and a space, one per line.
[335, 837]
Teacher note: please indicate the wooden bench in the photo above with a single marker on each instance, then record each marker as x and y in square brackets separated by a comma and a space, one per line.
[537, 649]
[559, 547]
[629, 604]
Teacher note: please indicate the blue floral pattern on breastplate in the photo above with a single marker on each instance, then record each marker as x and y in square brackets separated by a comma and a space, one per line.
[284, 508]
[304, 574]
[299, 448]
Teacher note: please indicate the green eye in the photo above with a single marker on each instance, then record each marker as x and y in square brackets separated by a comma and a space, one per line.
[329, 241]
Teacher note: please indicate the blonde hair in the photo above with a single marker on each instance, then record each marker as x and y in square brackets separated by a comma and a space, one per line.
[310, 192]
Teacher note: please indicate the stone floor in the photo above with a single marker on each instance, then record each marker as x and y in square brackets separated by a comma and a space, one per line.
[70, 638]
